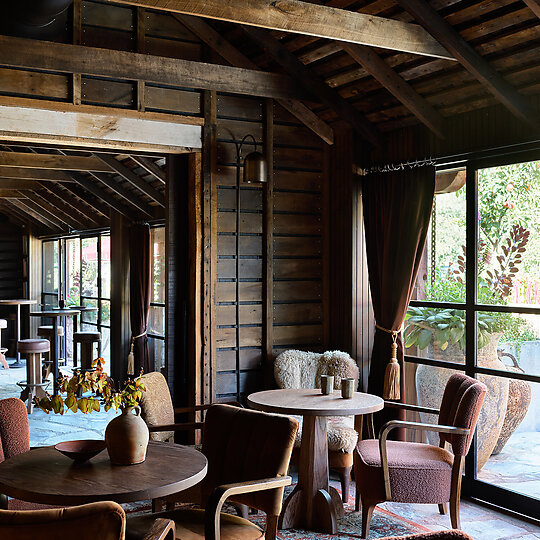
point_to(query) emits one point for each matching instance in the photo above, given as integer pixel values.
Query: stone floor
(516, 466)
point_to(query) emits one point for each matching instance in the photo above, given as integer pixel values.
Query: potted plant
(444, 332)
(126, 435)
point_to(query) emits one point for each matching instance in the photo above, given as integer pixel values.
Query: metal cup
(327, 384)
(347, 388)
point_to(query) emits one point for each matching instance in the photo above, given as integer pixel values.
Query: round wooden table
(44, 475)
(55, 314)
(313, 505)
(18, 302)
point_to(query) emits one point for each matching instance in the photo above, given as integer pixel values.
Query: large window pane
(105, 266)
(156, 349)
(89, 267)
(156, 321)
(50, 266)
(157, 240)
(73, 269)
(509, 234)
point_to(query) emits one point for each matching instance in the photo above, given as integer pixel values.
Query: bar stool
(46, 332)
(87, 340)
(3, 350)
(33, 386)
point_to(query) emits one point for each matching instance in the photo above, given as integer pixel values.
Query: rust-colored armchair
(248, 457)
(416, 472)
(101, 520)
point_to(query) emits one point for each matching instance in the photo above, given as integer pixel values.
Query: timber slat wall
(298, 243)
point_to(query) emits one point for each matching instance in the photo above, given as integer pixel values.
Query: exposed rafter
(133, 179)
(471, 60)
(11, 183)
(534, 5)
(38, 213)
(23, 213)
(52, 211)
(236, 58)
(43, 175)
(148, 165)
(89, 199)
(66, 209)
(397, 86)
(312, 83)
(65, 58)
(309, 19)
(52, 161)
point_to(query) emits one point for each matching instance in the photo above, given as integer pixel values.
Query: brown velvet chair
(95, 521)
(415, 472)
(248, 457)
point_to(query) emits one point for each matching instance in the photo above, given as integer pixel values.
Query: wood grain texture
(43, 475)
(53, 162)
(306, 18)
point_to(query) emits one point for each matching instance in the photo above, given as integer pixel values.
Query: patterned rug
(383, 523)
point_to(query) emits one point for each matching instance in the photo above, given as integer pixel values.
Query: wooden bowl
(81, 451)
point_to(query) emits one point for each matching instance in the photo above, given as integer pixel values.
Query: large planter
(127, 437)
(431, 381)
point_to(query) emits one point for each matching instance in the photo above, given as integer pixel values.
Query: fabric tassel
(131, 360)
(392, 374)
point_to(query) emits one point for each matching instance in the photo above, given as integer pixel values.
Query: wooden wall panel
(297, 310)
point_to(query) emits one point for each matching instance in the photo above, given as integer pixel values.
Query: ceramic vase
(127, 437)
(431, 381)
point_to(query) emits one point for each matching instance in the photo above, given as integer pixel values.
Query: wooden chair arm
(186, 426)
(389, 426)
(161, 529)
(222, 493)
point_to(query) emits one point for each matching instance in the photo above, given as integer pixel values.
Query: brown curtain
(139, 291)
(397, 207)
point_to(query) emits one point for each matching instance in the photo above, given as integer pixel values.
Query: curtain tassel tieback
(392, 373)
(131, 356)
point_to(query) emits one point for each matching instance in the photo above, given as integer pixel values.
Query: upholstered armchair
(101, 520)
(416, 472)
(248, 456)
(300, 369)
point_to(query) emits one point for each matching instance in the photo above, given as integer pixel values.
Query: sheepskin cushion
(301, 369)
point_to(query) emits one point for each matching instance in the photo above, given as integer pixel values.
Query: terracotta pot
(519, 399)
(431, 381)
(127, 437)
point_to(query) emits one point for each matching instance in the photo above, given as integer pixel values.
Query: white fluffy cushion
(301, 369)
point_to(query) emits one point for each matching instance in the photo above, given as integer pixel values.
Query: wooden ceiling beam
(52, 162)
(10, 194)
(397, 86)
(35, 211)
(90, 186)
(126, 194)
(52, 211)
(66, 209)
(13, 216)
(23, 213)
(534, 5)
(312, 83)
(133, 179)
(65, 200)
(148, 165)
(92, 201)
(42, 175)
(471, 60)
(236, 58)
(10, 183)
(308, 19)
(66, 58)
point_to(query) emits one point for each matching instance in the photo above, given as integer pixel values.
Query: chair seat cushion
(419, 473)
(17, 504)
(190, 526)
(342, 437)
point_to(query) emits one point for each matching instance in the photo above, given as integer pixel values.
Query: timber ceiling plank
(126, 194)
(133, 179)
(66, 209)
(236, 58)
(52, 211)
(107, 198)
(52, 161)
(305, 77)
(150, 166)
(13, 216)
(471, 60)
(66, 58)
(43, 175)
(38, 213)
(534, 5)
(24, 214)
(306, 18)
(89, 200)
(70, 203)
(10, 183)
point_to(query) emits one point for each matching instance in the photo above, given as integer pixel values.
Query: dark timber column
(177, 248)
(341, 240)
(120, 325)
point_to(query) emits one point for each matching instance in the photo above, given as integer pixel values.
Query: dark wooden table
(313, 504)
(43, 475)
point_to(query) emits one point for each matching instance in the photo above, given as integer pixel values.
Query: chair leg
(271, 527)
(345, 480)
(357, 499)
(367, 512)
(442, 509)
(455, 492)
(242, 510)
